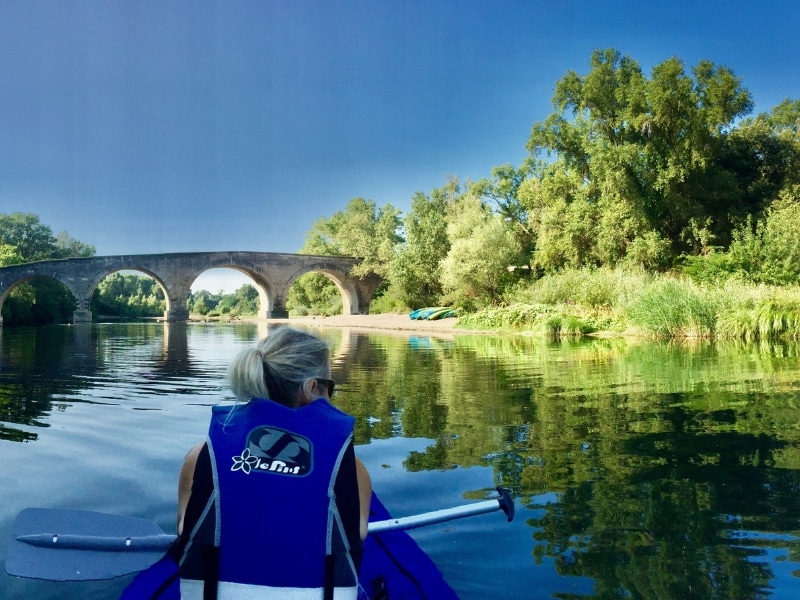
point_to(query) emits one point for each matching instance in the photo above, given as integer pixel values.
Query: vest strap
(210, 572)
(330, 563)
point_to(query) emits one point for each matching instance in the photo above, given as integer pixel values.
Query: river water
(640, 470)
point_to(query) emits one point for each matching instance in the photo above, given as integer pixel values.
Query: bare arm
(364, 495)
(185, 481)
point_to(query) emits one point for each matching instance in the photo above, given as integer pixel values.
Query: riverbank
(387, 322)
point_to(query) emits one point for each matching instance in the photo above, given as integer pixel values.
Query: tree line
(666, 172)
(243, 302)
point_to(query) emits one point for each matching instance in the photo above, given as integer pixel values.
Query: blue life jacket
(283, 518)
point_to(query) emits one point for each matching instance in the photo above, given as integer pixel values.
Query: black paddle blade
(65, 562)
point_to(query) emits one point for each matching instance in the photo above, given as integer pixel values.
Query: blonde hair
(279, 366)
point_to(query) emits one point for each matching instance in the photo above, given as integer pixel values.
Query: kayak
(393, 567)
(425, 313)
(444, 314)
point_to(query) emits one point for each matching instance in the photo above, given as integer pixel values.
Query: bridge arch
(5, 291)
(352, 303)
(101, 276)
(263, 286)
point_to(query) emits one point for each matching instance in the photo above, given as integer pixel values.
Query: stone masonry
(272, 274)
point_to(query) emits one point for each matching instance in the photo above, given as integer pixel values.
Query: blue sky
(169, 126)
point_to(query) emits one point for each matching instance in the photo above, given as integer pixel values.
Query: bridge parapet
(272, 273)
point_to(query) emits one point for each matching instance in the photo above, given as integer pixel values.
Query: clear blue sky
(166, 126)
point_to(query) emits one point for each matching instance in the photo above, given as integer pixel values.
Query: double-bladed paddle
(59, 544)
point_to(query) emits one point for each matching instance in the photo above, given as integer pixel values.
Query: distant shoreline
(385, 322)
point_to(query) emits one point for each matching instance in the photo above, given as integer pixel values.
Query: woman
(274, 501)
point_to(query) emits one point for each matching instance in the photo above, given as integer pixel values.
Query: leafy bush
(568, 326)
(519, 316)
(714, 267)
(769, 251)
(390, 301)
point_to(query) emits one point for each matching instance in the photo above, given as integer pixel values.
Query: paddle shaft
(437, 516)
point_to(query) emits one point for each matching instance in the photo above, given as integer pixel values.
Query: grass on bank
(583, 302)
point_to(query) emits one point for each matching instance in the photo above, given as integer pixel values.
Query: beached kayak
(426, 313)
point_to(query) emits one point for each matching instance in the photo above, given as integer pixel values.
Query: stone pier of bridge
(272, 274)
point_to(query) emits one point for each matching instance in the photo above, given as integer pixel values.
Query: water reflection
(652, 470)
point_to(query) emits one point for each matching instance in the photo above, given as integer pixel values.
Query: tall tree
(482, 248)
(32, 239)
(415, 270)
(642, 146)
(363, 231)
(24, 238)
(68, 247)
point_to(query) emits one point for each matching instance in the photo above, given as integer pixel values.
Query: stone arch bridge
(272, 273)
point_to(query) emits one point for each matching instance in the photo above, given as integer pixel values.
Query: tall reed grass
(674, 308)
(760, 313)
(580, 302)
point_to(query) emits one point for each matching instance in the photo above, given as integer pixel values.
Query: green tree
(24, 238)
(314, 294)
(32, 239)
(363, 231)
(203, 301)
(9, 255)
(247, 299)
(68, 247)
(128, 295)
(415, 270)
(503, 189)
(482, 248)
(639, 147)
(199, 306)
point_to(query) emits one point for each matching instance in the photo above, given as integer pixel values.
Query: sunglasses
(330, 385)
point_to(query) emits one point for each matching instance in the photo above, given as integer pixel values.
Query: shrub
(590, 287)
(714, 267)
(769, 252)
(390, 301)
(519, 316)
(559, 326)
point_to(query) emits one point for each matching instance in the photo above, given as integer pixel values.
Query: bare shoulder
(192, 455)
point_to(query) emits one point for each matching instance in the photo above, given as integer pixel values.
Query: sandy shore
(383, 322)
